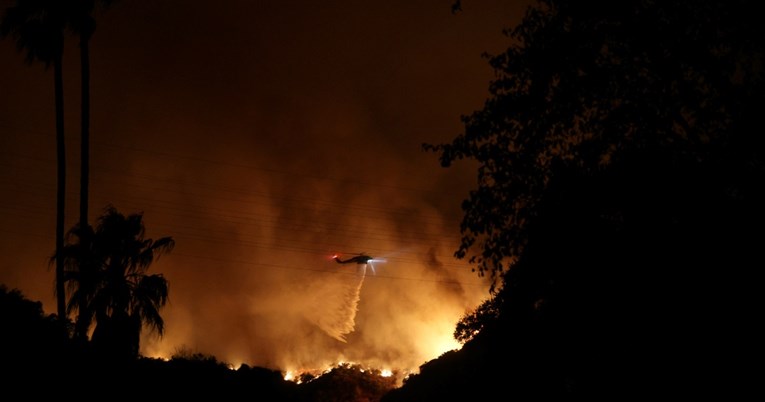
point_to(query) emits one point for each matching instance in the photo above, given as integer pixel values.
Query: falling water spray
(335, 305)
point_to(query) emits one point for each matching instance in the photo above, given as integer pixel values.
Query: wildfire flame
(319, 318)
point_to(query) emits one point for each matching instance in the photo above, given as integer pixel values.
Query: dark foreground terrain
(38, 360)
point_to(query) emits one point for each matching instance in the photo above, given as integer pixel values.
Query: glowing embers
(393, 378)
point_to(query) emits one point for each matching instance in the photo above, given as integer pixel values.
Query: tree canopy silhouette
(29, 338)
(588, 84)
(109, 284)
(618, 203)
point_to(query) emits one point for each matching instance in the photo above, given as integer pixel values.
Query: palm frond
(151, 294)
(37, 26)
(106, 272)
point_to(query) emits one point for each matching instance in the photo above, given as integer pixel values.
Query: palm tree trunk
(85, 124)
(61, 185)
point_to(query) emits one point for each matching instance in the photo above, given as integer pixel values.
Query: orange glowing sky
(263, 137)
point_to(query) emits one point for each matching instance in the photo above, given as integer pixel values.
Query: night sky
(264, 137)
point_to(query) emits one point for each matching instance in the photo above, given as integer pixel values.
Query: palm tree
(84, 25)
(109, 285)
(38, 26)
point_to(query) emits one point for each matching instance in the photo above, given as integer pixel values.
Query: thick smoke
(263, 139)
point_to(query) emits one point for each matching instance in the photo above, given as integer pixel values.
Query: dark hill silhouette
(37, 354)
(347, 383)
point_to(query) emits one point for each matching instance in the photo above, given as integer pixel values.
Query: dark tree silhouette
(620, 178)
(109, 284)
(29, 339)
(588, 84)
(38, 27)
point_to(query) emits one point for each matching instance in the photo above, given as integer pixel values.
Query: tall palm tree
(84, 25)
(38, 26)
(109, 284)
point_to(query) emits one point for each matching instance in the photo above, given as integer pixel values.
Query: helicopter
(360, 259)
